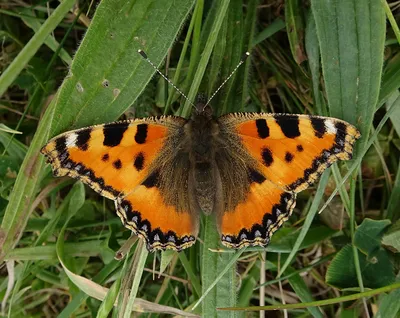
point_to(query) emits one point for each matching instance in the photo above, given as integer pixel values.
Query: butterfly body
(203, 183)
(162, 172)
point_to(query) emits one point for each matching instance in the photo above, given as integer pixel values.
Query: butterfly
(163, 172)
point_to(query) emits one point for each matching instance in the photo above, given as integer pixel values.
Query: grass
(58, 238)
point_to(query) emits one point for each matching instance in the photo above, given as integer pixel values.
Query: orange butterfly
(162, 172)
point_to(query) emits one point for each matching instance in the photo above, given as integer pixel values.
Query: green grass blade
(108, 304)
(299, 271)
(29, 50)
(137, 266)
(217, 58)
(295, 30)
(50, 41)
(310, 217)
(248, 35)
(390, 79)
(277, 25)
(193, 277)
(392, 212)
(303, 292)
(324, 302)
(172, 92)
(313, 55)
(392, 20)
(205, 56)
(228, 99)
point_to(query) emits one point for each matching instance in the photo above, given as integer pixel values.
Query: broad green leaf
(376, 272)
(351, 34)
(107, 73)
(389, 305)
(369, 234)
(391, 239)
(350, 312)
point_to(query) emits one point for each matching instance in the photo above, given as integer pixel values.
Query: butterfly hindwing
(253, 221)
(162, 226)
(118, 160)
(283, 154)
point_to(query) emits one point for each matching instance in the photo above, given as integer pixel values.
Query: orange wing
(254, 221)
(291, 152)
(116, 160)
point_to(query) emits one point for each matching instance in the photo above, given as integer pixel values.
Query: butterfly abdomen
(201, 131)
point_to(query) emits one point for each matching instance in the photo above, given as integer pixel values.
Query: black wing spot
(83, 138)
(141, 133)
(289, 157)
(139, 161)
(61, 144)
(113, 133)
(262, 128)
(266, 155)
(341, 131)
(300, 148)
(117, 164)
(256, 176)
(319, 126)
(289, 125)
(105, 157)
(152, 180)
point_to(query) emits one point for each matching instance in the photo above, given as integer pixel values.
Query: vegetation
(69, 65)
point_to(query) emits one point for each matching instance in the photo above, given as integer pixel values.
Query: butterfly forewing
(117, 160)
(293, 150)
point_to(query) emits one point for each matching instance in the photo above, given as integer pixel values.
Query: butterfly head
(201, 107)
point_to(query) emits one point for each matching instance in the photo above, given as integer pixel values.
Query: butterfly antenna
(242, 60)
(144, 55)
